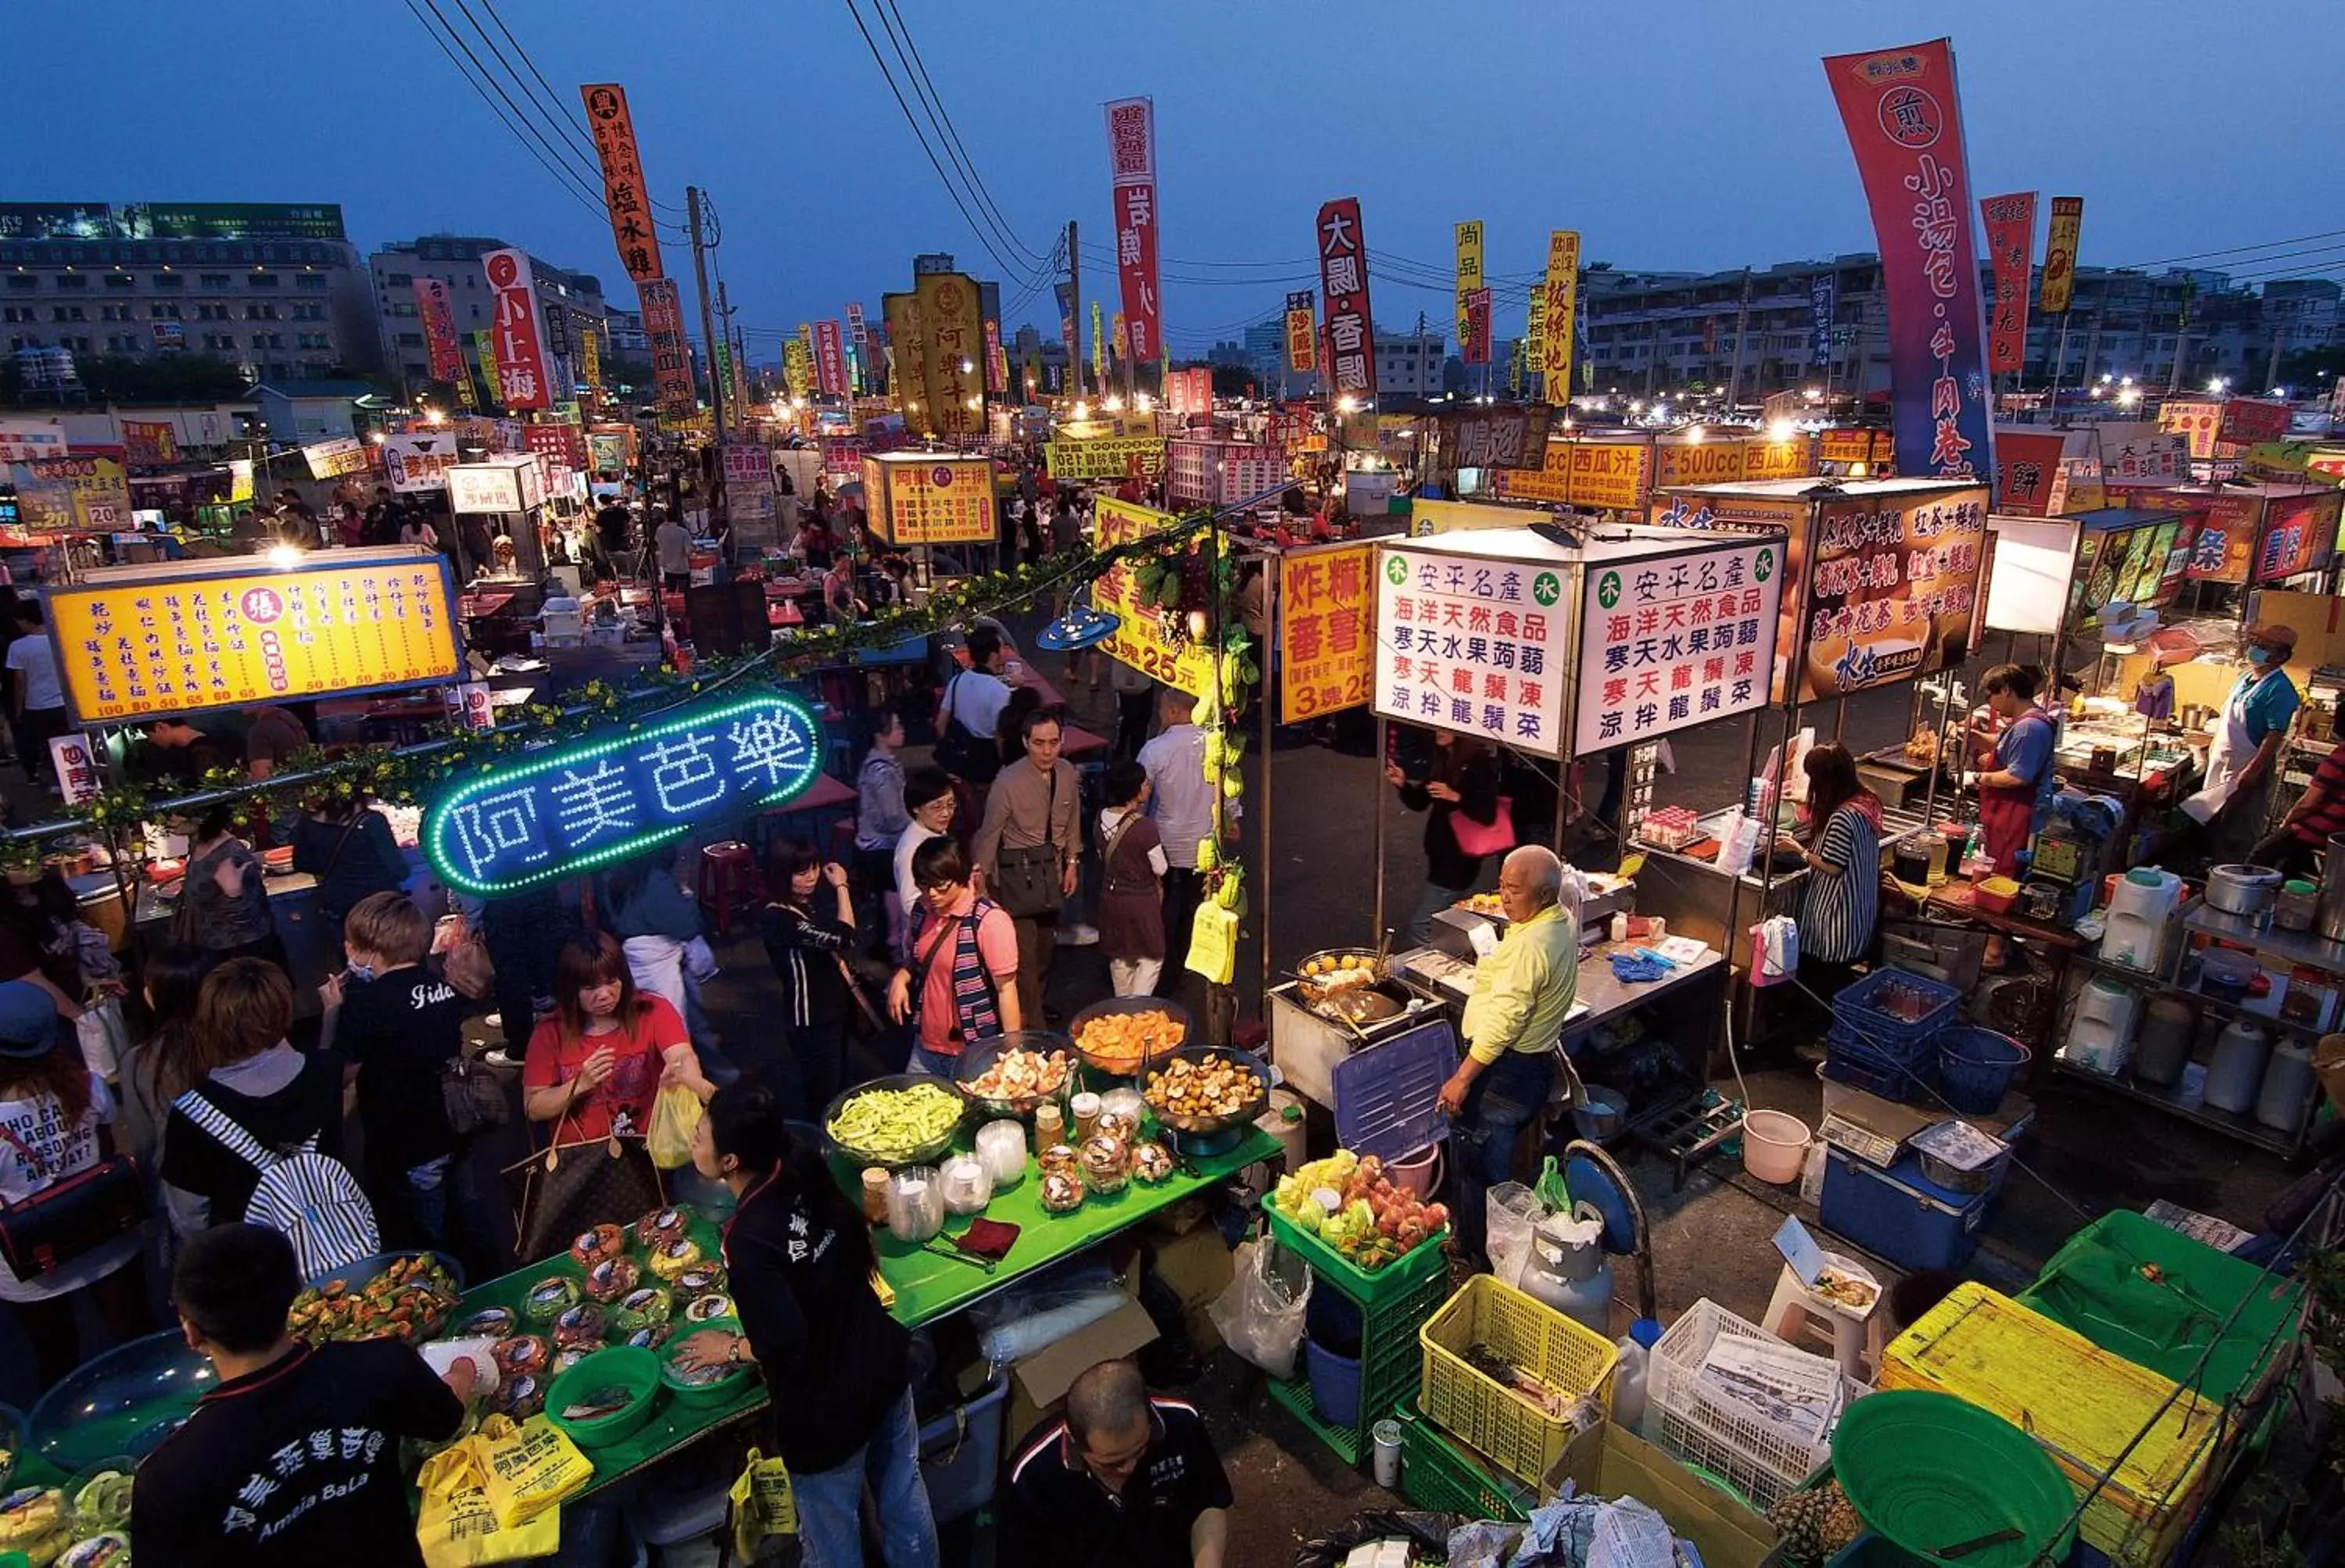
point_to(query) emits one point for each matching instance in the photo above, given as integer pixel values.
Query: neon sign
(583, 806)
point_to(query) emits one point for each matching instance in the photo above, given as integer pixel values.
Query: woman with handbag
(222, 904)
(344, 842)
(961, 983)
(808, 952)
(594, 1070)
(1028, 846)
(54, 1139)
(1465, 820)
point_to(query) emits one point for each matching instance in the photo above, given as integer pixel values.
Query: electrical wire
(568, 113)
(567, 179)
(925, 87)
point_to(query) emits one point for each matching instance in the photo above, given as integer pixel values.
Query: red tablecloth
(824, 793)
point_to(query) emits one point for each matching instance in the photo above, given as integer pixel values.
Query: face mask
(2259, 657)
(358, 971)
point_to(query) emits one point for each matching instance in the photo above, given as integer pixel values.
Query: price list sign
(1473, 645)
(1667, 642)
(931, 498)
(148, 644)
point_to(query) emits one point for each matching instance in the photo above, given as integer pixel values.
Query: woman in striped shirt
(808, 952)
(1841, 902)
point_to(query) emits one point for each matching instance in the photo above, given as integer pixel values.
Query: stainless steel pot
(2248, 891)
(2330, 918)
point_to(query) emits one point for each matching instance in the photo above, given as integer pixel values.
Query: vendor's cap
(28, 1020)
(2272, 632)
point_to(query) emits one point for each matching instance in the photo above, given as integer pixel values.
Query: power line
(925, 87)
(2202, 255)
(568, 116)
(564, 177)
(490, 77)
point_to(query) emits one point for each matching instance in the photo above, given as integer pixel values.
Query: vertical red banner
(624, 193)
(1131, 169)
(438, 317)
(671, 356)
(1475, 350)
(829, 359)
(1903, 120)
(996, 369)
(2011, 251)
(522, 381)
(1344, 280)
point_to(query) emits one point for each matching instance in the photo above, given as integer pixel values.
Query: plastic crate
(1367, 1286)
(1848, 1060)
(1532, 1336)
(1860, 1009)
(1763, 1463)
(1390, 1362)
(1437, 1475)
(960, 1450)
(1388, 1095)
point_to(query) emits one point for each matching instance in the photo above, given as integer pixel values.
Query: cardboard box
(1039, 1382)
(1195, 1264)
(1612, 1462)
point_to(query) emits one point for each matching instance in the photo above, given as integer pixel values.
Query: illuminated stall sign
(1473, 644)
(604, 800)
(1670, 641)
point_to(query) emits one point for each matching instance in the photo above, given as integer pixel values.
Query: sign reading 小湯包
(608, 798)
(142, 642)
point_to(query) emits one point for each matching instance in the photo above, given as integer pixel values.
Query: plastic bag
(765, 1506)
(104, 1037)
(1513, 1210)
(1260, 1314)
(1552, 1192)
(676, 1116)
(457, 1525)
(1213, 945)
(1427, 1535)
(528, 1469)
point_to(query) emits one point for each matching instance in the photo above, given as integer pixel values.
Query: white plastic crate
(1758, 1459)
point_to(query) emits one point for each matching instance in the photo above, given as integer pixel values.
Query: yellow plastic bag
(1213, 944)
(676, 1116)
(765, 1508)
(528, 1469)
(457, 1528)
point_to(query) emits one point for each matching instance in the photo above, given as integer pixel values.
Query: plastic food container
(915, 1204)
(968, 1186)
(1002, 1149)
(700, 1389)
(623, 1373)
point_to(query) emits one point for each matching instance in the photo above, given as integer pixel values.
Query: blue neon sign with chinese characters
(603, 800)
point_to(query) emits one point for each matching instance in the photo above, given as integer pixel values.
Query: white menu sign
(1472, 643)
(1667, 642)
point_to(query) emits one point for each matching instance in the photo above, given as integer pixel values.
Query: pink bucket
(1420, 1173)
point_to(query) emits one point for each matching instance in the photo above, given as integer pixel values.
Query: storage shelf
(2295, 947)
(2230, 1123)
(2213, 1005)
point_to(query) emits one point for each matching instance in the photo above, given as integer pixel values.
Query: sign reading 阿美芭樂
(1669, 641)
(140, 642)
(1475, 644)
(608, 797)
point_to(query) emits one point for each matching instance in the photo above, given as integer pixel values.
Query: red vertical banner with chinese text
(1131, 169)
(521, 344)
(1903, 120)
(633, 229)
(829, 359)
(1476, 346)
(438, 317)
(2060, 253)
(1344, 280)
(997, 374)
(2010, 223)
(671, 358)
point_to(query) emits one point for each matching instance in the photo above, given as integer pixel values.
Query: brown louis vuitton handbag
(564, 1190)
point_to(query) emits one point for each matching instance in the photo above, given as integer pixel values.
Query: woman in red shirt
(595, 1067)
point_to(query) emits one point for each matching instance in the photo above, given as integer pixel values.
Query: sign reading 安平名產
(603, 800)
(1669, 641)
(1473, 645)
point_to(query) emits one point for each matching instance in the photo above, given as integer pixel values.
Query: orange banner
(632, 226)
(1701, 463)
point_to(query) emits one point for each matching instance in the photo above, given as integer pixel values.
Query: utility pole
(1075, 309)
(1742, 325)
(707, 323)
(1423, 386)
(736, 374)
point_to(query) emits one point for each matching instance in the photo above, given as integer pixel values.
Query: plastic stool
(728, 882)
(1856, 1335)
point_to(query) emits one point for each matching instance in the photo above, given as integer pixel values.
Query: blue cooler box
(1899, 1214)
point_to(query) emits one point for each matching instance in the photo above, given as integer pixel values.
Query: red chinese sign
(437, 314)
(1344, 280)
(1132, 167)
(2010, 248)
(2027, 472)
(671, 355)
(150, 443)
(521, 379)
(631, 226)
(1302, 334)
(997, 369)
(829, 359)
(561, 443)
(1475, 350)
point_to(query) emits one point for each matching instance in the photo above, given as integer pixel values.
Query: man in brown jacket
(1028, 846)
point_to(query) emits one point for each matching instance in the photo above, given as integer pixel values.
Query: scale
(1872, 1129)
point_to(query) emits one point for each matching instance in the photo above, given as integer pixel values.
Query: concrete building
(571, 304)
(624, 332)
(296, 412)
(275, 289)
(1408, 365)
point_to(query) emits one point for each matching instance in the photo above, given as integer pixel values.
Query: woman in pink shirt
(961, 984)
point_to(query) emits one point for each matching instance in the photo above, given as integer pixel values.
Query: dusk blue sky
(1684, 133)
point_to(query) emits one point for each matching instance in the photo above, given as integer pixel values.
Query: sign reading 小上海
(523, 379)
(1326, 643)
(1108, 457)
(1669, 641)
(1472, 643)
(1142, 638)
(931, 498)
(420, 460)
(135, 642)
(606, 798)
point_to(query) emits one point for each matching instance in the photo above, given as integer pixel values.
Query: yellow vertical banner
(590, 355)
(953, 321)
(1560, 293)
(2060, 254)
(1470, 275)
(908, 374)
(1099, 346)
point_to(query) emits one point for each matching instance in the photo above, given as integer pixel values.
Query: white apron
(2232, 750)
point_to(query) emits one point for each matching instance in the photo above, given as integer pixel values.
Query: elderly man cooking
(1521, 993)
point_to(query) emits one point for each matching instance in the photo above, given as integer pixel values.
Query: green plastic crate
(1447, 1478)
(1364, 1286)
(1392, 1363)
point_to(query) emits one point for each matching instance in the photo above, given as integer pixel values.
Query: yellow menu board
(1326, 641)
(931, 498)
(145, 643)
(1141, 638)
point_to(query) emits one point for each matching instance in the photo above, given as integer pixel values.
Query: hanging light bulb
(1199, 623)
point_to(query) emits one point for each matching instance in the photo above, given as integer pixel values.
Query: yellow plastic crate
(2080, 1403)
(1531, 1335)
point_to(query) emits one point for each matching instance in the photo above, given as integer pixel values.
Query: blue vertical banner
(1824, 305)
(1903, 120)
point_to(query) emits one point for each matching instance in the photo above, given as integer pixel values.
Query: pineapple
(1815, 1524)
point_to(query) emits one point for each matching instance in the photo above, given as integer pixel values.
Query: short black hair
(1050, 713)
(789, 857)
(744, 1121)
(925, 787)
(2022, 681)
(939, 863)
(1124, 782)
(28, 613)
(236, 1283)
(983, 644)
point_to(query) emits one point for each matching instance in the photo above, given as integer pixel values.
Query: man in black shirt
(1125, 1480)
(293, 1457)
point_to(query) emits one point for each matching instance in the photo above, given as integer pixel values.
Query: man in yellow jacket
(1522, 992)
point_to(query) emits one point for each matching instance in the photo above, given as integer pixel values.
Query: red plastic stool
(728, 882)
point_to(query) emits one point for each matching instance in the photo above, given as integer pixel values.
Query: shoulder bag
(472, 1096)
(71, 1217)
(1027, 883)
(960, 750)
(565, 1189)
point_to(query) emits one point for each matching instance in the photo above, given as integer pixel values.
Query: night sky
(1693, 135)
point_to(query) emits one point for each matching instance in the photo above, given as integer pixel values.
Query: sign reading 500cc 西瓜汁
(605, 797)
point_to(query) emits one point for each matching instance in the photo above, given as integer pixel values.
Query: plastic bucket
(1417, 1172)
(1335, 1385)
(1774, 1145)
(1601, 1116)
(1975, 1067)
